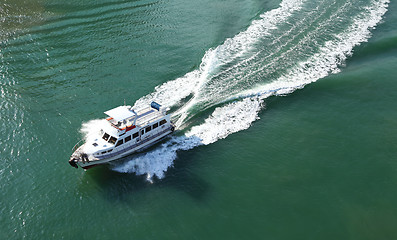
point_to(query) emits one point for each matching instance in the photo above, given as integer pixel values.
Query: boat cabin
(126, 131)
(129, 126)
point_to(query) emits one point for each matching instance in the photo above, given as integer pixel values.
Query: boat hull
(117, 154)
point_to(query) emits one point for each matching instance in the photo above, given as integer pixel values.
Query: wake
(286, 49)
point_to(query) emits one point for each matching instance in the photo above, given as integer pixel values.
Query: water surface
(286, 111)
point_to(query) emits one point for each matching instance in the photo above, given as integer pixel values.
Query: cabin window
(106, 136)
(110, 150)
(128, 138)
(112, 140)
(155, 125)
(135, 135)
(148, 129)
(142, 132)
(119, 142)
(103, 152)
(162, 122)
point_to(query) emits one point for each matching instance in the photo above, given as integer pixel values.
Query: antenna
(124, 101)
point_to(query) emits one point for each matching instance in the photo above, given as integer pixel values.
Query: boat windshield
(112, 140)
(105, 137)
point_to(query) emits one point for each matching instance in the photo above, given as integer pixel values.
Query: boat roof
(120, 113)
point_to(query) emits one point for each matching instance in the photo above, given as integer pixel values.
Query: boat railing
(79, 144)
(146, 119)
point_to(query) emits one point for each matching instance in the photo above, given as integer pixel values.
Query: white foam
(91, 129)
(332, 55)
(239, 115)
(170, 93)
(174, 91)
(224, 121)
(156, 162)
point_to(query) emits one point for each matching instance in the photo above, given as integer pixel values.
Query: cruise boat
(127, 131)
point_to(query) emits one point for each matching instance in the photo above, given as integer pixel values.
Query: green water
(319, 161)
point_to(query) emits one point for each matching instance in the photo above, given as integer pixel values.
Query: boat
(126, 131)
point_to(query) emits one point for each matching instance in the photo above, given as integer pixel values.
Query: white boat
(127, 131)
